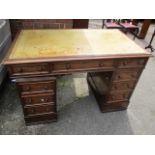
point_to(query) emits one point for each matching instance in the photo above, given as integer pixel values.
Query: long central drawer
(82, 65)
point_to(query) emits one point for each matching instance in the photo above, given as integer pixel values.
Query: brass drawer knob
(112, 97)
(41, 68)
(46, 99)
(47, 109)
(32, 110)
(119, 77)
(124, 96)
(42, 99)
(101, 64)
(29, 100)
(124, 63)
(128, 86)
(68, 66)
(140, 62)
(133, 75)
(27, 88)
(20, 70)
(106, 78)
(45, 87)
(115, 87)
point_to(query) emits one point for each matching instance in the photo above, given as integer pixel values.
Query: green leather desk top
(63, 43)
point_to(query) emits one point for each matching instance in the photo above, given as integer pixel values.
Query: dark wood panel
(37, 119)
(38, 98)
(115, 106)
(82, 65)
(132, 63)
(29, 69)
(39, 109)
(126, 74)
(119, 86)
(118, 96)
(36, 87)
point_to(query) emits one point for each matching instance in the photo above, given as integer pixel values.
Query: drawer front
(33, 110)
(125, 63)
(127, 75)
(29, 69)
(82, 65)
(121, 96)
(29, 87)
(41, 118)
(38, 99)
(117, 86)
(92, 64)
(115, 106)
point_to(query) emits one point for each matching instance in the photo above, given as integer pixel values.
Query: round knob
(112, 98)
(41, 68)
(128, 86)
(101, 64)
(107, 78)
(29, 100)
(124, 95)
(47, 109)
(132, 75)
(68, 66)
(27, 88)
(42, 100)
(32, 110)
(124, 63)
(119, 76)
(20, 70)
(45, 87)
(115, 87)
(140, 62)
(46, 99)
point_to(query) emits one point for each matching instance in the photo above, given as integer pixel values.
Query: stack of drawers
(123, 83)
(120, 84)
(38, 98)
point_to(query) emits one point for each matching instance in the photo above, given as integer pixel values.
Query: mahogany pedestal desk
(113, 63)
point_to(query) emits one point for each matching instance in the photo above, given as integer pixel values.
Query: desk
(113, 63)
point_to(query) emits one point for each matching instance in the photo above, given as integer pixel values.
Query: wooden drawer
(121, 96)
(29, 69)
(82, 65)
(38, 98)
(36, 87)
(49, 117)
(45, 108)
(114, 106)
(118, 86)
(127, 63)
(129, 74)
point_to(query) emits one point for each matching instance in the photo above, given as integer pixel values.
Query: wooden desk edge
(73, 58)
